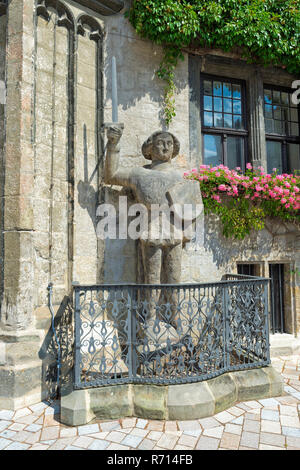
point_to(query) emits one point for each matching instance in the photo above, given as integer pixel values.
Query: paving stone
(168, 441)
(171, 426)
(292, 432)
(115, 436)
(293, 442)
(207, 443)
(33, 438)
(61, 444)
(209, 423)
(50, 433)
(139, 432)
(155, 425)
(21, 436)
(188, 441)
(181, 447)
(73, 448)
(230, 441)
(39, 407)
(128, 422)
(33, 427)
(270, 415)
(195, 433)
(288, 410)
(27, 419)
(110, 425)
(88, 429)
(22, 412)
(131, 441)
(224, 417)
(233, 429)
(269, 403)
(236, 411)
(51, 420)
(39, 447)
(17, 446)
(146, 444)
(238, 420)
(4, 443)
(290, 421)
(189, 425)
(252, 426)
(268, 447)
(68, 432)
(272, 439)
(99, 445)
(154, 435)
(6, 415)
(83, 441)
(214, 432)
(141, 423)
(5, 424)
(117, 447)
(253, 404)
(250, 439)
(127, 430)
(99, 435)
(270, 426)
(8, 434)
(254, 415)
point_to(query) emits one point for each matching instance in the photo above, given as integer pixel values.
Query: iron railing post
(266, 314)
(129, 339)
(77, 359)
(227, 326)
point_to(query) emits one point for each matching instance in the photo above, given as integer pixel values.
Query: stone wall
(3, 21)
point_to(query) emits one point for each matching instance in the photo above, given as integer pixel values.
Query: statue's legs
(172, 258)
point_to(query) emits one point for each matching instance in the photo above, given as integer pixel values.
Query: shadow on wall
(49, 352)
(87, 195)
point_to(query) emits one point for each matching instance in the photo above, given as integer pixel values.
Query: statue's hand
(114, 134)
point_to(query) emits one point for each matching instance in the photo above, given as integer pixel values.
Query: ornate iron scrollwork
(169, 334)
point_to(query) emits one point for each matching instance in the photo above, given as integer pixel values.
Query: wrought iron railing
(169, 334)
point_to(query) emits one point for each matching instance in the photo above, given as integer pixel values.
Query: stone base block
(23, 372)
(170, 402)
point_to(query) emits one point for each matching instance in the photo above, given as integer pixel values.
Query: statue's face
(162, 148)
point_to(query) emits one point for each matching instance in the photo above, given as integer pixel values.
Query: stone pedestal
(170, 402)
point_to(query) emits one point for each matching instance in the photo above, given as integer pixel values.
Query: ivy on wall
(266, 32)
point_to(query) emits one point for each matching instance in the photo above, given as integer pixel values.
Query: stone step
(284, 345)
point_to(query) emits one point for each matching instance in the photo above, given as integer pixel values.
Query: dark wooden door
(277, 297)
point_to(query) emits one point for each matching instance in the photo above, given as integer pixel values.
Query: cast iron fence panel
(169, 334)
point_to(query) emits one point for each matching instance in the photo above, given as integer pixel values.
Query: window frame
(225, 132)
(284, 139)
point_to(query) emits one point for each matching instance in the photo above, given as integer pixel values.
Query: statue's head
(161, 146)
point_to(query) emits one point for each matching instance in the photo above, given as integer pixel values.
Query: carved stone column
(257, 139)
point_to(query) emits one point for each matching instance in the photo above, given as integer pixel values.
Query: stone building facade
(55, 96)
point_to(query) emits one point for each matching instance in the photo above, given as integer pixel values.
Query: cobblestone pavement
(269, 424)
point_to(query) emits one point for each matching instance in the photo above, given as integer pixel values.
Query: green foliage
(265, 31)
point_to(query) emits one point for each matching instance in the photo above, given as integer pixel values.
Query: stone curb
(170, 402)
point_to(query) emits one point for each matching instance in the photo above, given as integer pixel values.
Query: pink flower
(249, 166)
(222, 187)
